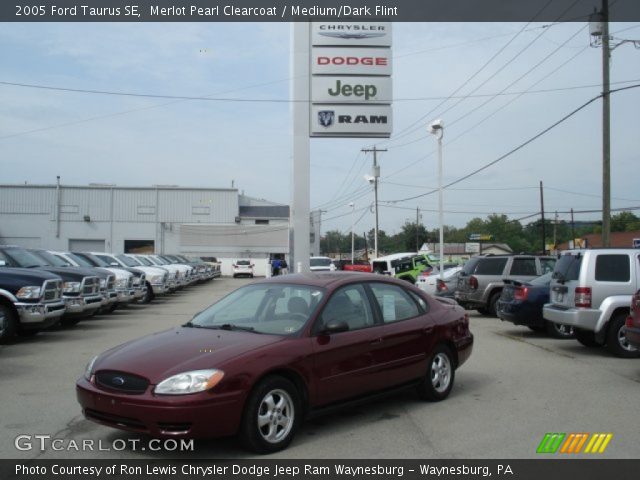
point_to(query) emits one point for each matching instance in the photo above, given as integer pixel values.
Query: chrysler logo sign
(348, 34)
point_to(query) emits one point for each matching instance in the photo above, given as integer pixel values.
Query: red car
(268, 354)
(632, 325)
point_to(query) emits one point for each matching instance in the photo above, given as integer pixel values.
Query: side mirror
(335, 326)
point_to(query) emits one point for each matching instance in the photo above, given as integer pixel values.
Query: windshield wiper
(231, 326)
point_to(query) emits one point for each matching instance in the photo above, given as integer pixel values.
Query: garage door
(81, 245)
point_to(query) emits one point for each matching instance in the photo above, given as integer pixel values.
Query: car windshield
(320, 262)
(83, 262)
(276, 309)
(145, 261)
(24, 258)
(128, 261)
(97, 262)
(52, 259)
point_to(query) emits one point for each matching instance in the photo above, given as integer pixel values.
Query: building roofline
(118, 187)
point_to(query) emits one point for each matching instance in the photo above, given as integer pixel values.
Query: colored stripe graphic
(598, 443)
(574, 443)
(551, 442)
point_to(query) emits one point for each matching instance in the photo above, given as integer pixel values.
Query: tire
(441, 373)
(493, 302)
(616, 339)
(111, 308)
(586, 338)
(8, 323)
(148, 295)
(556, 330)
(274, 403)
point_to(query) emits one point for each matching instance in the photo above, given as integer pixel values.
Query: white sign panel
(351, 61)
(368, 34)
(351, 120)
(351, 89)
(472, 247)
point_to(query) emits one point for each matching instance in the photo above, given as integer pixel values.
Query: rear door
(565, 279)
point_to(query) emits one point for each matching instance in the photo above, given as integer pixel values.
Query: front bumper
(39, 315)
(194, 416)
(77, 305)
(159, 288)
(583, 318)
(124, 296)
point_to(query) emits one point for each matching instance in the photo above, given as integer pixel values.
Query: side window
(613, 268)
(523, 266)
(395, 303)
(491, 266)
(420, 301)
(547, 265)
(350, 305)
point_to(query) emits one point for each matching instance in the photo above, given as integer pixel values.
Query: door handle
(377, 340)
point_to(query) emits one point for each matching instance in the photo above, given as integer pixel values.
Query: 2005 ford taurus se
(270, 353)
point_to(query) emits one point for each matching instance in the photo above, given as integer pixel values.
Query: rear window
(613, 268)
(567, 267)
(470, 266)
(243, 262)
(491, 266)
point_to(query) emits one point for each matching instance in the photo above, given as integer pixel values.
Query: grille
(51, 290)
(111, 282)
(90, 286)
(130, 283)
(121, 382)
(115, 420)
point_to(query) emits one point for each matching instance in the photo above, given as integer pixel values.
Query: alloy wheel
(276, 416)
(440, 372)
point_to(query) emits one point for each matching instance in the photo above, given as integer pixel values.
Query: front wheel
(438, 383)
(148, 295)
(493, 304)
(271, 415)
(617, 340)
(8, 324)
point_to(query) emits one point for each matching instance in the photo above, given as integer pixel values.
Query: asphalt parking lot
(517, 386)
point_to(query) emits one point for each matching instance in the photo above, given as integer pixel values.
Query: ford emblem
(117, 381)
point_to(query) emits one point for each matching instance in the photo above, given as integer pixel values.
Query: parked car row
(40, 288)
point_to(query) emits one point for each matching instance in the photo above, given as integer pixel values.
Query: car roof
(324, 279)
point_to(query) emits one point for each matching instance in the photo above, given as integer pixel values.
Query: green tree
(625, 222)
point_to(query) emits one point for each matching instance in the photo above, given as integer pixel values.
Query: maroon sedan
(265, 356)
(632, 326)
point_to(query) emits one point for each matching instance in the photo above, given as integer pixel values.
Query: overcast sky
(128, 140)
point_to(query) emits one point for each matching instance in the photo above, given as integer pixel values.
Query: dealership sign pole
(341, 87)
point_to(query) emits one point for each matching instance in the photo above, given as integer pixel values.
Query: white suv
(243, 267)
(591, 290)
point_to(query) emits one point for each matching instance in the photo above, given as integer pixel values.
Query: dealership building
(204, 222)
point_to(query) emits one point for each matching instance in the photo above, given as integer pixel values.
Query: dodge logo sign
(325, 117)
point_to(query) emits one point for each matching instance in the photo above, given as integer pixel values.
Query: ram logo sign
(572, 443)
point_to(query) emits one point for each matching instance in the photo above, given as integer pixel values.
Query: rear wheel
(493, 304)
(438, 382)
(617, 340)
(8, 323)
(586, 338)
(556, 330)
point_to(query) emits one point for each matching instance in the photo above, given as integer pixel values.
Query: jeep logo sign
(351, 89)
(347, 120)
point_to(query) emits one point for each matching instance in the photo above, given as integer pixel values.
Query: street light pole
(376, 175)
(353, 209)
(437, 128)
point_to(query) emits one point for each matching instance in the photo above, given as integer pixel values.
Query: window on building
(260, 221)
(139, 246)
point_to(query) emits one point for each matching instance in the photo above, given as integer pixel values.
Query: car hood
(35, 276)
(67, 273)
(180, 349)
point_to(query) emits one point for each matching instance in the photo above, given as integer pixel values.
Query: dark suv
(482, 278)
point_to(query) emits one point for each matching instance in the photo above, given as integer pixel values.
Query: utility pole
(417, 221)
(555, 226)
(544, 246)
(376, 175)
(573, 233)
(606, 129)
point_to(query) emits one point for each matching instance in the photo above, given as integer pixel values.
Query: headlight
(155, 278)
(71, 287)
(189, 382)
(89, 368)
(26, 293)
(122, 282)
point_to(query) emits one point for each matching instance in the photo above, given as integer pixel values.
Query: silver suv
(591, 290)
(482, 278)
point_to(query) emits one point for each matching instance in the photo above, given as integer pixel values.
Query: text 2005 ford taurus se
(268, 354)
